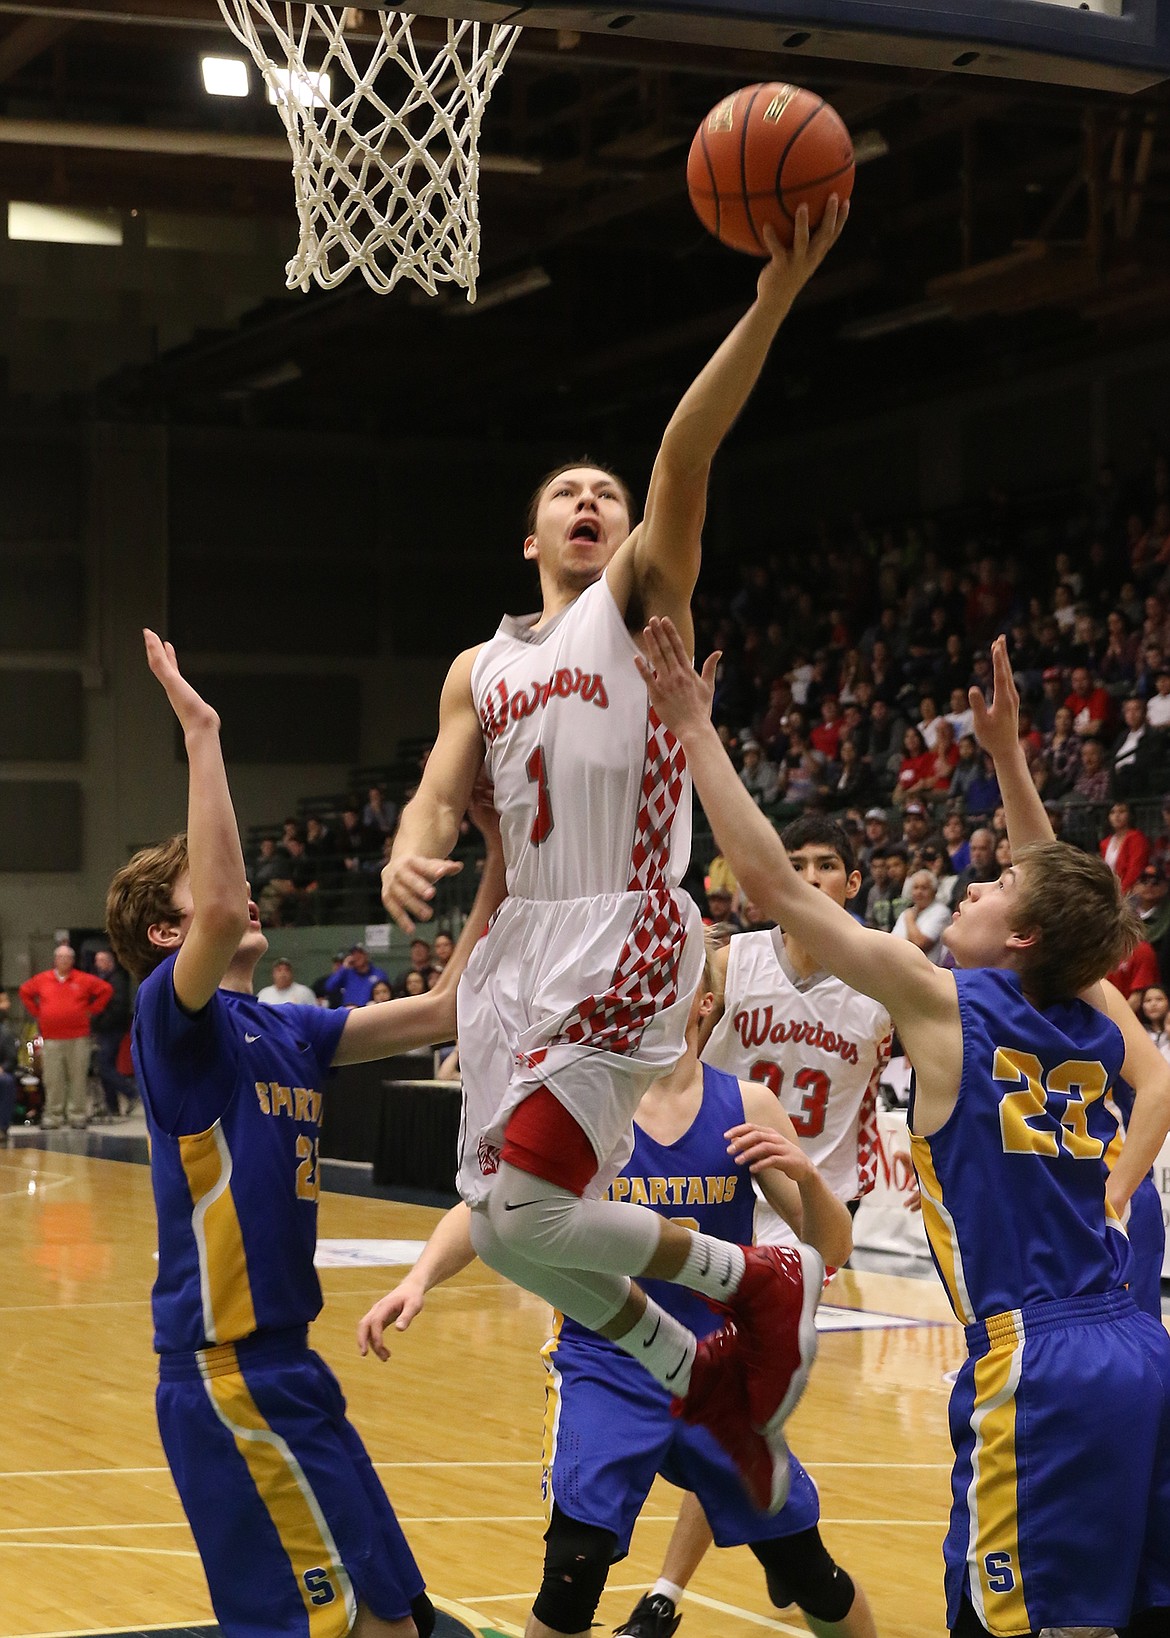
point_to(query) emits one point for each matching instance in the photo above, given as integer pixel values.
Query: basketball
(760, 154)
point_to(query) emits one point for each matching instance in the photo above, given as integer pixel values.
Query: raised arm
(219, 887)
(997, 728)
(387, 1027)
(655, 571)
(768, 1145)
(446, 1253)
(891, 970)
(429, 827)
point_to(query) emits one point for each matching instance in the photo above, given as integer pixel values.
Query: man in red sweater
(63, 1001)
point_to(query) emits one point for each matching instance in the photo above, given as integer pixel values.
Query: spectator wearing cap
(1151, 900)
(982, 867)
(354, 980)
(284, 990)
(1089, 704)
(876, 834)
(1125, 850)
(319, 985)
(1158, 704)
(915, 825)
(760, 778)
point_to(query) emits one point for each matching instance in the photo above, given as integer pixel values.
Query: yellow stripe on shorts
(940, 1229)
(995, 1576)
(552, 1413)
(224, 1287)
(285, 1491)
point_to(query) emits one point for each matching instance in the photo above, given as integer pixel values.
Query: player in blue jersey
(296, 1534)
(609, 1427)
(1060, 1417)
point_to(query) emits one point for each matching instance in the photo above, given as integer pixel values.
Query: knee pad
(423, 1615)
(577, 1558)
(800, 1570)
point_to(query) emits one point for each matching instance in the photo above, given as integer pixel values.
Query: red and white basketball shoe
(775, 1309)
(717, 1400)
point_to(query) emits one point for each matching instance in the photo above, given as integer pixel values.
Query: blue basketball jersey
(232, 1096)
(694, 1181)
(1013, 1184)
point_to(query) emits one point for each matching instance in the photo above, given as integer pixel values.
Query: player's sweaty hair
(573, 466)
(814, 828)
(141, 895)
(1073, 901)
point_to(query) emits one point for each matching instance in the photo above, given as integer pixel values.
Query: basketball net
(385, 141)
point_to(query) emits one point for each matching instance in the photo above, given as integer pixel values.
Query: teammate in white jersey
(578, 997)
(820, 1047)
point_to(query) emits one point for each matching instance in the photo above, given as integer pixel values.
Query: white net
(384, 136)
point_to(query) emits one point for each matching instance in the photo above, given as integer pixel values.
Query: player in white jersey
(820, 1047)
(578, 997)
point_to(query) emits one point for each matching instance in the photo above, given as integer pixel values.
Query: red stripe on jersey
(662, 784)
(867, 1138)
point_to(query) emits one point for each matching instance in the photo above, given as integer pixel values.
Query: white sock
(663, 1345)
(713, 1267)
(663, 1588)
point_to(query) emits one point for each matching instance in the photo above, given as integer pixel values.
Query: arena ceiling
(995, 222)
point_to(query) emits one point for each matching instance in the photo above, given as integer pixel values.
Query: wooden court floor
(92, 1537)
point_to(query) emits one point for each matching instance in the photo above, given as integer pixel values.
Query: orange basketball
(761, 153)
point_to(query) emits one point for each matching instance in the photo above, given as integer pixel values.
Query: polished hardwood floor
(92, 1537)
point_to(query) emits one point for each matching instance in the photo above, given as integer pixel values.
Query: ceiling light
(64, 224)
(224, 76)
(305, 86)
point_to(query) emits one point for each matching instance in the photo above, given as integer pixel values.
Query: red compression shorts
(543, 1139)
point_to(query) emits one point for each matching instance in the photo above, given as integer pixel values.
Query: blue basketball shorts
(290, 1519)
(1060, 1422)
(1147, 1239)
(608, 1433)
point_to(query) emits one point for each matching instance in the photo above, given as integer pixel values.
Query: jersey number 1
(809, 1116)
(543, 823)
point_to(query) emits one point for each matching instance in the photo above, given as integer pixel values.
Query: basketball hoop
(384, 136)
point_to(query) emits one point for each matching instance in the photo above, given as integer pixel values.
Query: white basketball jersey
(819, 1045)
(592, 791)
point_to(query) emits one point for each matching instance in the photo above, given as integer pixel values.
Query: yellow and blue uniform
(291, 1522)
(1144, 1223)
(1059, 1418)
(608, 1427)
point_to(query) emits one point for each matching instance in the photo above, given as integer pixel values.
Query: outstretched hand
(789, 270)
(762, 1149)
(408, 885)
(997, 726)
(191, 709)
(679, 694)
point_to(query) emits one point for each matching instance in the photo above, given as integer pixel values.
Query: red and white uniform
(585, 978)
(820, 1046)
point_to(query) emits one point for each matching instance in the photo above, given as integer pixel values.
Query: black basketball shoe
(651, 1617)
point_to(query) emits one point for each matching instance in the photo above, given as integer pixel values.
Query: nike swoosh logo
(518, 1205)
(649, 1342)
(250, 1038)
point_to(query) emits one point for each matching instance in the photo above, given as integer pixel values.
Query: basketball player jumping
(1060, 1417)
(578, 998)
(608, 1427)
(293, 1527)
